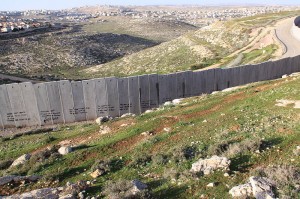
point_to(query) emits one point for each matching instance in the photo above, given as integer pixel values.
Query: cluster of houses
(7, 27)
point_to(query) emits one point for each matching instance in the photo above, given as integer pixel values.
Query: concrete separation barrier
(27, 104)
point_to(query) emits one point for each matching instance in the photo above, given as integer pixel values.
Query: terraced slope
(159, 148)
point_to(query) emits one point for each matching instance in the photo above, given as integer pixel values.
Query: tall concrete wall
(28, 104)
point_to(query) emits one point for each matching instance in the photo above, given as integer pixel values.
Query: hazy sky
(60, 4)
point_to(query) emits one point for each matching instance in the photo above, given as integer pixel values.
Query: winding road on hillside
(289, 35)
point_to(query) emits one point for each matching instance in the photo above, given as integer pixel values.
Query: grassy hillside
(159, 148)
(195, 50)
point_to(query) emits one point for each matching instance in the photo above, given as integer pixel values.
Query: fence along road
(28, 104)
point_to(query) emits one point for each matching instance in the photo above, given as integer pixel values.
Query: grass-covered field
(159, 148)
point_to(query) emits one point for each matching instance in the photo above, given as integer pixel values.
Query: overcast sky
(61, 4)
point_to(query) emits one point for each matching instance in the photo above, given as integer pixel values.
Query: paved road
(287, 33)
(17, 79)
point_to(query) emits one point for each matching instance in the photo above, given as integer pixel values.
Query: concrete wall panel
(112, 96)
(198, 86)
(6, 110)
(43, 103)
(180, 84)
(79, 105)
(55, 102)
(134, 101)
(153, 89)
(101, 98)
(144, 92)
(172, 86)
(123, 96)
(188, 75)
(1, 123)
(210, 80)
(17, 105)
(163, 89)
(89, 94)
(30, 103)
(67, 101)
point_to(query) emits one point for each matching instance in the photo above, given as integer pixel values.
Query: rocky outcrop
(207, 166)
(241, 190)
(70, 191)
(17, 179)
(259, 187)
(262, 188)
(138, 186)
(21, 160)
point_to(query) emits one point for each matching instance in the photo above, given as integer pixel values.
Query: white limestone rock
(244, 190)
(65, 150)
(262, 188)
(177, 101)
(207, 166)
(21, 160)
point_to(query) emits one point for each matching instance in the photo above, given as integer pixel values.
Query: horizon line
(157, 5)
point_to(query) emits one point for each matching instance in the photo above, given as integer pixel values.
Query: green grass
(248, 113)
(259, 55)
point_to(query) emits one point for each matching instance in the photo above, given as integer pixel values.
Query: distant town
(15, 21)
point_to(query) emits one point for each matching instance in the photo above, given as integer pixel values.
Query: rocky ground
(65, 49)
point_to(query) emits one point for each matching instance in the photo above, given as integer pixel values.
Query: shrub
(218, 149)
(141, 160)
(5, 164)
(160, 159)
(101, 165)
(286, 178)
(184, 153)
(171, 173)
(231, 149)
(248, 145)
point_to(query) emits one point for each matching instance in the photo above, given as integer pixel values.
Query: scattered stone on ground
(212, 184)
(101, 120)
(297, 151)
(21, 160)
(97, 173)
(258, 187)
(104, 130)
(215, 92)
(16, 179)
(128, 115)
(177, 101)
(285, 103)
(168, 103)
(149, 111)
(284, 76)
(147, 133)
(137, 187)
(167, 129)
(207, 166)
(244, 190)
(64, 150)
(67, 192)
